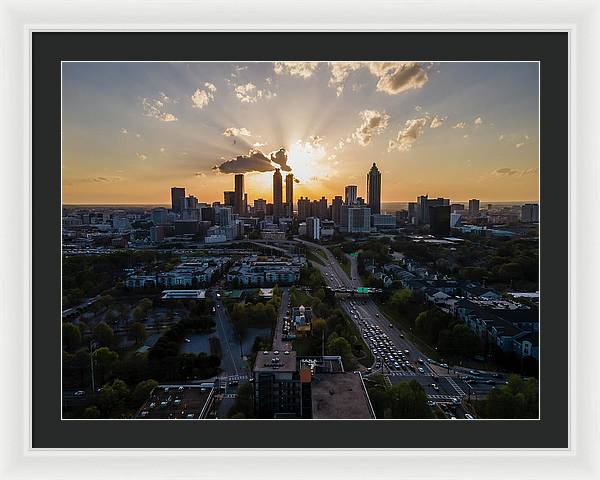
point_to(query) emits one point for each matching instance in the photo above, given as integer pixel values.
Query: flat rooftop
(275, 361)
(177, 294)
(177, 402)
(339, 396)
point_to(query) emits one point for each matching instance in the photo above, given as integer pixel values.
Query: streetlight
(93, 346)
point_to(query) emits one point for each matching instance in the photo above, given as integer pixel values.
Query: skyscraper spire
(374, 189)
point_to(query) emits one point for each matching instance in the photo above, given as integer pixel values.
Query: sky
(133, 130)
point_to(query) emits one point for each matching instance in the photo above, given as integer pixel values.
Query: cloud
(137, 135)
(509, 172)
(101, 179)
(501, 137)
(249, 93)
(520, 139)
(141, 156)
(478, 121)
(437, 122)
(154, 108)
(124, 131)
(237, 132)
(200, 174)
(460, 125)
(316, 140)
(162, 149)
(255, 161)
(398, 77)
(201, 98)
(465, 136)
(418, 108)
(258, 145)
(297, 69)
(374, 123)
(340, 72)
(406, 137)
(529, 171)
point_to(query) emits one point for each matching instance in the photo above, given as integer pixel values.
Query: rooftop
(189, 402)
(281, 361)
(340, 396)
(177, 294)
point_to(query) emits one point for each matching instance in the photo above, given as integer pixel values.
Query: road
(402, 360)
(231, 361)
(278, 342)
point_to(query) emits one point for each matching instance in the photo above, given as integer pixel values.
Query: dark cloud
(296, 180)
(280, 158)
(255, 161)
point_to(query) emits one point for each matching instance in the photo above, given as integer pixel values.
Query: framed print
(314, 245)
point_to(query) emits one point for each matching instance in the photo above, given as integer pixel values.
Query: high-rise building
(374, 189)
(423, 204)
(336, 209)
(303, 209)
(190, 202)
(223, 215)
(439, 220)
(289, 194)
(159, 216)
(473, 207)
(177, 196)
(313, 228)
(277, 195)
(322, 212)
(350, 192)
(457, 207)
(412, 212)
(260, 206)
(229, 198)
(238, 199)
(355, 219)
(530, 213)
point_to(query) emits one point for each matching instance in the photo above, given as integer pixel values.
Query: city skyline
(455, 130)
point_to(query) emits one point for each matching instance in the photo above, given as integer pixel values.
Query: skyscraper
(351, 192)
(530, 213)
(289, 194)
(238, 199)
(177, 196)
(229, 198)
(303, 208)
(322, 212)
(374, 189)
(336, 209)
(439, 220)
(277, 195)
(473, 207)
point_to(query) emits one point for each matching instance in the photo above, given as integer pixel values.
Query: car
(490, 382)
(431, 403)
(455, 401)
(377, 315)
(420, 360)
(187, 340)
(473, 372)
(369, 369)
(421, 370)
(497, 375)
(79, 393)
(406, 352)
(444, 365)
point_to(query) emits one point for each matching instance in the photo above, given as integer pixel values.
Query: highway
(278, 342)
(402, 360)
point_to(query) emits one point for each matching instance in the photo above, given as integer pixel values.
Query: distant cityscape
(299, 308)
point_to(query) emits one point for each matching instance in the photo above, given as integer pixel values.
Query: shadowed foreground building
(287, 386)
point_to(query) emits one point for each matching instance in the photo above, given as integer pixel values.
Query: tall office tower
(229, 198)
(439, 220)
(260, 207)
(314, 208)
(473, 207)
(313, 228)
(190, 202)
(223, 216)
(289, 194)
(412, 212)
(530, 213)
(351, 191)
(374, 190)
(238, 199)
(323, 213)
(177, 196)
(422, 209)
(277, 196)
(303, 209)
(336, 209)
(245, 206)
(159, 216)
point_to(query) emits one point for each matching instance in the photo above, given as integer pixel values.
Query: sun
(307, 161)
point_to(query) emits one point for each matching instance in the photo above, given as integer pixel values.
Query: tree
(145, 304)
(244, 402)
(142, 391)
(400, 299)
(337, 345)
(104, 359)
(91, 412)
(71, 336)
(138, 314)
(104, 334)
(137, 332)
(319, 325)
(474, 273)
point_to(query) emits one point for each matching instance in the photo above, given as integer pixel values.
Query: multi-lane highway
(395, 355)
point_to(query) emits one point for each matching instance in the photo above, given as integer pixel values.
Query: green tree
(137, 332)
(400, 299)
(91, 412)
(138, 314)
(71, 336)
(142, 391)
(104, 334)
(318, 325)
(337, 345)
(104, 359)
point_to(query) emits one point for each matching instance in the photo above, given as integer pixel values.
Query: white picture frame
(17, 22)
